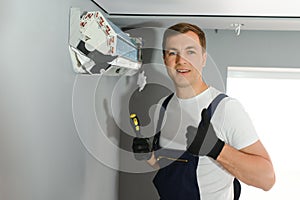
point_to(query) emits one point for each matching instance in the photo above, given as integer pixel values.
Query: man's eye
(191, 52)
(172, 53)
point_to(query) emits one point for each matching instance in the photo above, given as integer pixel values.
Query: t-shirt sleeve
(238, 129)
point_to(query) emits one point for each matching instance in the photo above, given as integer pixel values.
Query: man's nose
(180, 59)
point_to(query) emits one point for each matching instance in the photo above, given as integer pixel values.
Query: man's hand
(204, 141)
(142, 148)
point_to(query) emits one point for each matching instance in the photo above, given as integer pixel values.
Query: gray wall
(250, 48)
(253, 48)
(41, 155)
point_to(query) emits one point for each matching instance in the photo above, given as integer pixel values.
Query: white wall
(41, 155)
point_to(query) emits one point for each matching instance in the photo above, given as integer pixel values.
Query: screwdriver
(135, 123)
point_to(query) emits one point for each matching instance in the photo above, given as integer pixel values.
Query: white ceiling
(211, 14)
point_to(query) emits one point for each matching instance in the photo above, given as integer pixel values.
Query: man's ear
(163, 57)
(204, 57)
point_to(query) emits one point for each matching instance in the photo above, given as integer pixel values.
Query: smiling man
(217, 140)
(185, 57)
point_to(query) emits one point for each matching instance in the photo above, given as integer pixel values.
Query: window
(271, 97)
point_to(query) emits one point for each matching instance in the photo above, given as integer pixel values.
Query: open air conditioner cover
(97, 46)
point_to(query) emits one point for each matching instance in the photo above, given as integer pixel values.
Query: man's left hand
(203, 140)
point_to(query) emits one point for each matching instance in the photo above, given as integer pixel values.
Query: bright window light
(272, 99)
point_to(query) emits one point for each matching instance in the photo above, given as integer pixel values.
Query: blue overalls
(177, 177)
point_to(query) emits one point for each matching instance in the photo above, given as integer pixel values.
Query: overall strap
(214, 104)
(211, 109)
(160, 120)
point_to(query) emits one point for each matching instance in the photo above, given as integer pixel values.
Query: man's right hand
(142, 148)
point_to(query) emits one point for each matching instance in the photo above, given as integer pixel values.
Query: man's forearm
(255, 170)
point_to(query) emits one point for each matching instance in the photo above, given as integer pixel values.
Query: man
(236, 151)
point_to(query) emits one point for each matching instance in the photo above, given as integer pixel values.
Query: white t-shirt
(232, 125)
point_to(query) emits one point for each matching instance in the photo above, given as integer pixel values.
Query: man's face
(184, 59)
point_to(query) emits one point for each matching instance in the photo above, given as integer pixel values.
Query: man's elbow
(269, 182)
